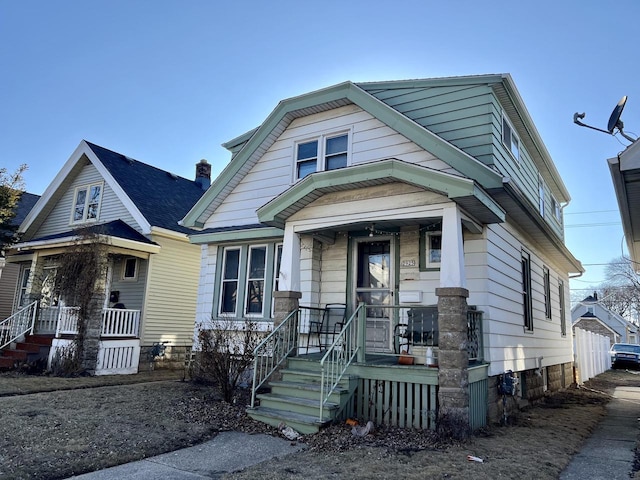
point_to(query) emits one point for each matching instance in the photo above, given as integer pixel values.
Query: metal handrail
(273, 350)
(338, 357)
(18, 324)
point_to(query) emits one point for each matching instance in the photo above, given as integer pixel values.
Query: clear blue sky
(167, 82)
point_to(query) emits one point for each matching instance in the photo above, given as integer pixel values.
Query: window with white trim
(86, 203)
(510, 139)
(328, 152)
(130, 269)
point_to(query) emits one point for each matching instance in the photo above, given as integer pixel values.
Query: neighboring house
(9, 273)
(625, 172)
(591, 315)
(149, 294)
(402, 195)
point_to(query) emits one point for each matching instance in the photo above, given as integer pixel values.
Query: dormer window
(324, 153)
(510, 139)
(86, 203)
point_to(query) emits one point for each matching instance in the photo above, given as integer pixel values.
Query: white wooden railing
(67, 321)
(18, 324)
(47, 321)
(118, 322)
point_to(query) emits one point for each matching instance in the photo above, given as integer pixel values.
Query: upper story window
(557, 211)
(541, 196)
(510, 139)
(86, 203)
(324, 153)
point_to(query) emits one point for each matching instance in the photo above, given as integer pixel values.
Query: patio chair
(421, 328)
(329, 326)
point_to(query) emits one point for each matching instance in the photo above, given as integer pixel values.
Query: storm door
(374, 286)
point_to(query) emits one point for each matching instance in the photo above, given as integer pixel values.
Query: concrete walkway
(609, 452)
(227, 452)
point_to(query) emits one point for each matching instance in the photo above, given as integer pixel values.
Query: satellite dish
(614, 119)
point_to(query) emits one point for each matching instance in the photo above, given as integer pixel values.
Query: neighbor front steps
(34, 348)
(295, 400)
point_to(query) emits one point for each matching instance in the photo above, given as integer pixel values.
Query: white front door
(373, 280)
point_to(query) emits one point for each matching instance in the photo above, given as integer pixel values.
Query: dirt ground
(52, 428)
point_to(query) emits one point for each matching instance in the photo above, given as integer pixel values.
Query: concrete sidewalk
(609, 452)
(227, 452)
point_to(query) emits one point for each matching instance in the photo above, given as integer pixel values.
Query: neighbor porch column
(453, 359)
(287, 298)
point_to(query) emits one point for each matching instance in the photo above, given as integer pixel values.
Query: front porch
(119, 336)
(356, 377)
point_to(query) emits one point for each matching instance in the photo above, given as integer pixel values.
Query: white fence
(592, 354)
(120, 322)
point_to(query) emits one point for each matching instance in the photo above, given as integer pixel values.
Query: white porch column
(452, 273)
(290, 264)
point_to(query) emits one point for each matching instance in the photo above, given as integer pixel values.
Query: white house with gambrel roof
(397, 200)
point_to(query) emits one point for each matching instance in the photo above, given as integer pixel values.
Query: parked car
(625, 354)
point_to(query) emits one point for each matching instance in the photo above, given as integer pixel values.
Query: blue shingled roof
(25, 204)
(162, 198)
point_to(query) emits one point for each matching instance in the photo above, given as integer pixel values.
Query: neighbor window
(130, 269)
(247, 274)
(563, 317)
(510, 139)
(546, 277)
(526, 292)
(86, 203)
(555, 207)
(541, 196)
(324, 153)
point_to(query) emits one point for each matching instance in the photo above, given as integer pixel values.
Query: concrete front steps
(295, 399)
(32, 351)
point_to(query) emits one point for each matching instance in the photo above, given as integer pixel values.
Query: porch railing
(117, 322)
(273, 350)
(18, 324)
(340, 355)
(47, 320)
(67, 321)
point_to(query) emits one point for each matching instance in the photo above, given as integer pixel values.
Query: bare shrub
(65, 362)
(226, 355)
(453, 424)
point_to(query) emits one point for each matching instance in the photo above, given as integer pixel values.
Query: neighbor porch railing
(67, 321)
(18, 324)
(118, 322)
(340, 354)
(273, 350)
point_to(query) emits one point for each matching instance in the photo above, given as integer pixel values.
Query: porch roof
(465, 192)
(119, 233)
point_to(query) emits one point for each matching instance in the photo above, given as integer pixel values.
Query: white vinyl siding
(9, 275)
(370, 140)
(111, 208)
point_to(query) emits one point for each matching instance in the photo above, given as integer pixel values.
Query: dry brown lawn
(53, 428)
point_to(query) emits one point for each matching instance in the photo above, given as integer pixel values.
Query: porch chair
(421, 328)
(333, 319)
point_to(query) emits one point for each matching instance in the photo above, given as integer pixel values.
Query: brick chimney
(203, 174)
